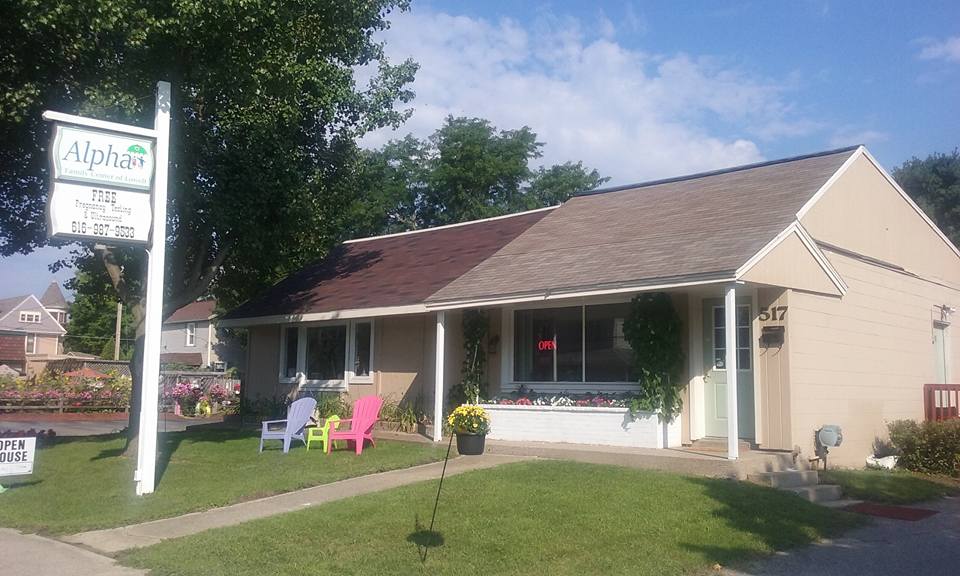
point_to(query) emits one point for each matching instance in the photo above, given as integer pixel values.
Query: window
(326, 352)
(720, 335)
(608, 355)
(290, 346)
(362, 349)
(327, 355)
(30, 317)
(191, 334)
(576, 344)
(31, 344)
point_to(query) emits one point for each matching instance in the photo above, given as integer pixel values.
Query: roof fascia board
(446, 226)
(910, 201)
(322, 316)
(821, 258)
(830, 182)
(796, 228)
(545, 296)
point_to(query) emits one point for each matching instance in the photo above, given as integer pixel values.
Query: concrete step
(786, 478)
(818, 494)
(717, 445)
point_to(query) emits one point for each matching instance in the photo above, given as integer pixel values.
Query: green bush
(931, 447)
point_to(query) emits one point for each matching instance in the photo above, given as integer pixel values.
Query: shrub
(931, 447)
(403, 415)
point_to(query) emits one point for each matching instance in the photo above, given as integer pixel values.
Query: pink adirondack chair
(359, 427)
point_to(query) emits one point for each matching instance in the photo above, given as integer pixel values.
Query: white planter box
(581, 425)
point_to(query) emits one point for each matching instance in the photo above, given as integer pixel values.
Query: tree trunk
(136, 374)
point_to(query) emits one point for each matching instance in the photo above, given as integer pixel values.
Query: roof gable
(864, 211)
(10, 319)
(701, 227)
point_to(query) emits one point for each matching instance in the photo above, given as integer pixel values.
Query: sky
(645, 90)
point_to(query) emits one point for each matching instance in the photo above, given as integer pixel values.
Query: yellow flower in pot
(470, 423)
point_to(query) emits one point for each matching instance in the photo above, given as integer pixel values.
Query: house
(32, 330)
(841, 291)
(190, 338)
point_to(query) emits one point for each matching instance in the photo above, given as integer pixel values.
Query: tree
(93, 316)
(934, 184)
(466, 170)
(265, 114)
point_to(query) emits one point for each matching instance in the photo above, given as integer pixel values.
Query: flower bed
(55, 392)
(586, 419)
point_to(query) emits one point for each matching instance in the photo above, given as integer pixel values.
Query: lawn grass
(890, 487)
(85, 483)
(539, 517)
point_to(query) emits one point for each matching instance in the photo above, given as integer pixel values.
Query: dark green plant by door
(654, 331)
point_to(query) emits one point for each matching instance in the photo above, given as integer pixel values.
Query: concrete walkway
(114, 540)
(888, 547)
(32, 555)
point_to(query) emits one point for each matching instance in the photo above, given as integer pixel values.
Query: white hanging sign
(82, 154)
(108, 215)
(16, 456)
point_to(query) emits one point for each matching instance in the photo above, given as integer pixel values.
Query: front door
(940, 351)
(714, 360)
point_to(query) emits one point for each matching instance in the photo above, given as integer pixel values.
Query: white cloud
(632, 115)
(948, 50)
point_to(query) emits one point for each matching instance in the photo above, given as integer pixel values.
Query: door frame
(700, 370)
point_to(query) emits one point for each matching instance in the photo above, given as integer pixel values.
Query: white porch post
(438, 379)
(730, 331)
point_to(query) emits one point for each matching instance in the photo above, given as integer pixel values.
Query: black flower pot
(470, 444)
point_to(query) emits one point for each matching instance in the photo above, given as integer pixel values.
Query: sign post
(109, 186)
(146, 475)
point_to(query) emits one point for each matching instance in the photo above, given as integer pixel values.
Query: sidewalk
(29, 554)
(113, 540)
(888, 547)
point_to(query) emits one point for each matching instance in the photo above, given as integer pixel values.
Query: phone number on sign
(102, 229)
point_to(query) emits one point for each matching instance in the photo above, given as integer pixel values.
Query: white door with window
(940, 352)
(714, 360)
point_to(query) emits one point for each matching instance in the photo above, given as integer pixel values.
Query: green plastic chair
(322, 433)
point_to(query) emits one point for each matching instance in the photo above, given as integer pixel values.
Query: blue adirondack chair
(298, 415)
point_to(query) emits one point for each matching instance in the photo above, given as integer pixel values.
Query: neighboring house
(31, 330)
(841, 290)
(190, 337)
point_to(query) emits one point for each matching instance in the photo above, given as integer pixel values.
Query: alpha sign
(16, 456)
(108, 214)
(99, 157)
(101, 185)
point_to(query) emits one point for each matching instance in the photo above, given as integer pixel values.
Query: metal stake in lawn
(436, 503)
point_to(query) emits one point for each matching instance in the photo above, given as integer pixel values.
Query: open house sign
(16, 456)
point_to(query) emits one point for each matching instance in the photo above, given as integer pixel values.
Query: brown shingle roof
(185, 358)
(193, 312)
(702, 226)
(397, 270)
(53, 297)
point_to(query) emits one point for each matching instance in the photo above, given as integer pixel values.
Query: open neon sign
(544, 345)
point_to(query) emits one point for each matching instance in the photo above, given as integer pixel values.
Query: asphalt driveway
(888, 547)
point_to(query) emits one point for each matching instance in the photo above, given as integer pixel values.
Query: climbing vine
(653, 330)
(473, 373)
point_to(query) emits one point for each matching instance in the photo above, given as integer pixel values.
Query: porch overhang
(578, 292)
(323, 316)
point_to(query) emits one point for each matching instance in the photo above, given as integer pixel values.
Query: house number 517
(773, 313)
